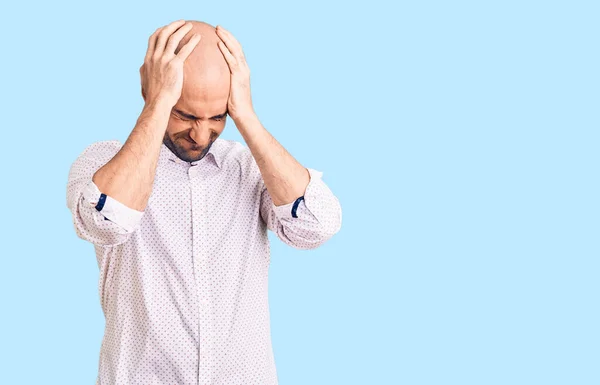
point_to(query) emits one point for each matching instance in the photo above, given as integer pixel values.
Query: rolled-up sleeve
(97, 217)
(307, 222)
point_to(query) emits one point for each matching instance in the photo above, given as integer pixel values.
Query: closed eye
(180, 117)
(183, 116)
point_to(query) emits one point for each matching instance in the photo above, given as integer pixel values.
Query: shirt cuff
(111, 208)
(298, 207)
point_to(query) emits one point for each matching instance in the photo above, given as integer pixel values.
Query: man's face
(196, 121)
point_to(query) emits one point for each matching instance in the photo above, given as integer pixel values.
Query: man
(179, 218)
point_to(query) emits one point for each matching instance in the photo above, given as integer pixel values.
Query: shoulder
(93, 157)
(238, 158)
(101, 151)
(235, 153)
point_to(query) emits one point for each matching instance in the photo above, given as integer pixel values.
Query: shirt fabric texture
(183, 284)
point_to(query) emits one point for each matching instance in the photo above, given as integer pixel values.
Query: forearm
(128, 177)
(284, 177)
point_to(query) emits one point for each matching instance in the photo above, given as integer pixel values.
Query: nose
(201, 132)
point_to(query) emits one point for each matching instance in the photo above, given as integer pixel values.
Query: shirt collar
(216, 153)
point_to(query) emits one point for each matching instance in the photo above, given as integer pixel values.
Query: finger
(231, 61)
(151, 44)
(164, 34)
(228, 39)
(233, 45)
(187, 49)
(175, 39)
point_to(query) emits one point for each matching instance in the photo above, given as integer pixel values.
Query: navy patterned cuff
(100, 204)
(295, 206)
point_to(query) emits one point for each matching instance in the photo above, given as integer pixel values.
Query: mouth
(194, 146)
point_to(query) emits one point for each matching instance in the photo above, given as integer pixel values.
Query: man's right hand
(162, 71)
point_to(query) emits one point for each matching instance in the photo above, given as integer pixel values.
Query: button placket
(198, 229)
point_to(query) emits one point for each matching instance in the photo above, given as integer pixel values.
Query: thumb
(142, 77)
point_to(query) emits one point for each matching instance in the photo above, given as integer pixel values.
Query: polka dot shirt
(183, 284)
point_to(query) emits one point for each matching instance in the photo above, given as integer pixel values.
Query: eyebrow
(189, 116)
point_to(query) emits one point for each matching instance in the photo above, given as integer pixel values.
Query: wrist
(157, 111)
(245, 119)
(159, 103)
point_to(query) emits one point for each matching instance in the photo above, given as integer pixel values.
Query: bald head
(206, 73)
(199, 115)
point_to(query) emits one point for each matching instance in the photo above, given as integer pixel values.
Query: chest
(203, 198)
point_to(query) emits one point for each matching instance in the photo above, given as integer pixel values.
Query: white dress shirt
(183, 284)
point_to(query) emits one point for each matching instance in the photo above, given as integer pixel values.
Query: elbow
(315, 235)
(331, 225)
(106, 239)
(90, 225)
(311, 239)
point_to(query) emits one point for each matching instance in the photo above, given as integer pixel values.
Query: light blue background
(461, 139)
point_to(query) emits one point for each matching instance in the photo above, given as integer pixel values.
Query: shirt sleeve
(97, 217)
(308, 221)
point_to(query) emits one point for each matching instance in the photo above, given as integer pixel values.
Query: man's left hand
(239, 103)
